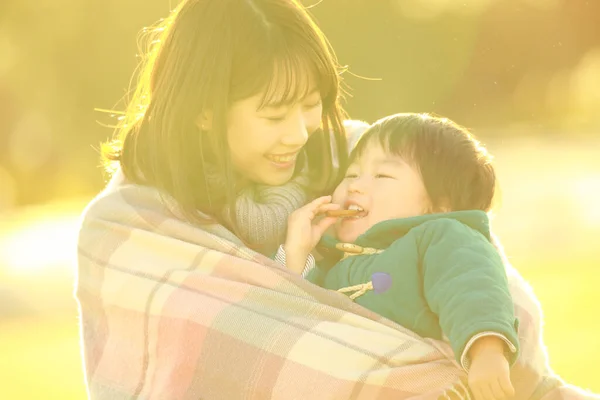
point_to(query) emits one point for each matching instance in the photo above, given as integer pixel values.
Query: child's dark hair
(456, 169)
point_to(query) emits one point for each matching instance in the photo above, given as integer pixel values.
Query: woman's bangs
(293, 76)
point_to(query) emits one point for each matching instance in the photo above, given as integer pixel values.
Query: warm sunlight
(40, 244)
(153, 302)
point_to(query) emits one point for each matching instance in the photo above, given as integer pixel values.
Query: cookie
(342, 213)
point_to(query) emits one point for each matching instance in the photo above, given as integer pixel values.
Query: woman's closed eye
(384, 175)
(313, 105)
(275, 118)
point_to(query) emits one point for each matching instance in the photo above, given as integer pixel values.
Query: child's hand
(303, 232)
(489, 375)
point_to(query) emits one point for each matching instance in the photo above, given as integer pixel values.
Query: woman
(232, 92)
(234, 124)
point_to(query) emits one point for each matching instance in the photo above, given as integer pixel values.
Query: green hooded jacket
(446, 279)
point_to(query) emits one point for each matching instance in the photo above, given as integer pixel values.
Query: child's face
(384, 186)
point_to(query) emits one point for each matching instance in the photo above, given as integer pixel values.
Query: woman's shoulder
(119, 202)
(124, 206)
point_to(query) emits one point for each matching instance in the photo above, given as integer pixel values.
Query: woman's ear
(205, 121)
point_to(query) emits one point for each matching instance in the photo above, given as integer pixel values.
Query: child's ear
(442, 207)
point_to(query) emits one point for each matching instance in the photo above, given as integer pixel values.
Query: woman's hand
(489, 375)
(304, 231)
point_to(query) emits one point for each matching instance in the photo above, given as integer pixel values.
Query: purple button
(381, 282)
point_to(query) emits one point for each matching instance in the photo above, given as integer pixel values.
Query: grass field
(549, 224)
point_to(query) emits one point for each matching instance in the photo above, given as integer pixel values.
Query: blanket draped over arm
(175, 311)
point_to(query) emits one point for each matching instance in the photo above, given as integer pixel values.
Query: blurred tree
(485, 63)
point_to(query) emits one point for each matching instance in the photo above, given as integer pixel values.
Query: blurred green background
(523, 74)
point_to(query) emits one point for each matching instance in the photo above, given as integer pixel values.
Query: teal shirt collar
(383, 234)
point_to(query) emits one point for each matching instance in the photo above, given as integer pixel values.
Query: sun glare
(39, 245)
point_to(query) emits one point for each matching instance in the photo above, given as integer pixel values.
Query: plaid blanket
(172, 311)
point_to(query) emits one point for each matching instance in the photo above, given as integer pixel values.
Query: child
(418, 249)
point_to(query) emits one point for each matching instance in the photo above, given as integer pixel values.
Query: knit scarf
(261, 211)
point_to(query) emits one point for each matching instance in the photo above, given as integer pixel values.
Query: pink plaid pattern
(172, 311)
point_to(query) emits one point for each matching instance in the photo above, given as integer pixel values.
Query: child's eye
(351, 176)
(384, 176)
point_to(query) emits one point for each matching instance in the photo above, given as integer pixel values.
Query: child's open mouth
(352, 212)
(358, 211)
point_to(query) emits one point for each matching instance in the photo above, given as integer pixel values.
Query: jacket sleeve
(280, 257)
(465, 284)
(316, 275)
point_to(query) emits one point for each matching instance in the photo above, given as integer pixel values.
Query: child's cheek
(333, 229)
(339, 194)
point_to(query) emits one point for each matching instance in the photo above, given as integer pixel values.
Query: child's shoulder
(459, 224)
(444, 224)
(450, 221)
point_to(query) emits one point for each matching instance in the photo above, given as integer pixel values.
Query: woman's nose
(297, 131)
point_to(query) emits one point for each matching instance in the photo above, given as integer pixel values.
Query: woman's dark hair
(206, 55)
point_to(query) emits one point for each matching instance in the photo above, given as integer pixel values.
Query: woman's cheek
(315, 119)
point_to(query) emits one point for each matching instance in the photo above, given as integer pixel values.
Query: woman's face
(264, 143)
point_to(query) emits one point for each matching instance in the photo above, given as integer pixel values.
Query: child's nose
(357, 186)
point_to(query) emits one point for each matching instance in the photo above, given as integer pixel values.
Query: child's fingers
(486, 392)
(320, 201)
(311, 209)
(482, 392)
(314, 206)
(506, 385)
(497, 391)
(324, 224)
(323, 208)
(477, 393)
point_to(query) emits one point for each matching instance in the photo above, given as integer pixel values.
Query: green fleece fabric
(448, 280)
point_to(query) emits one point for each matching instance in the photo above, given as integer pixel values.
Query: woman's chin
(274, 177)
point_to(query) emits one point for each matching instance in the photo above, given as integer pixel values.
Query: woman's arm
(170, 310)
